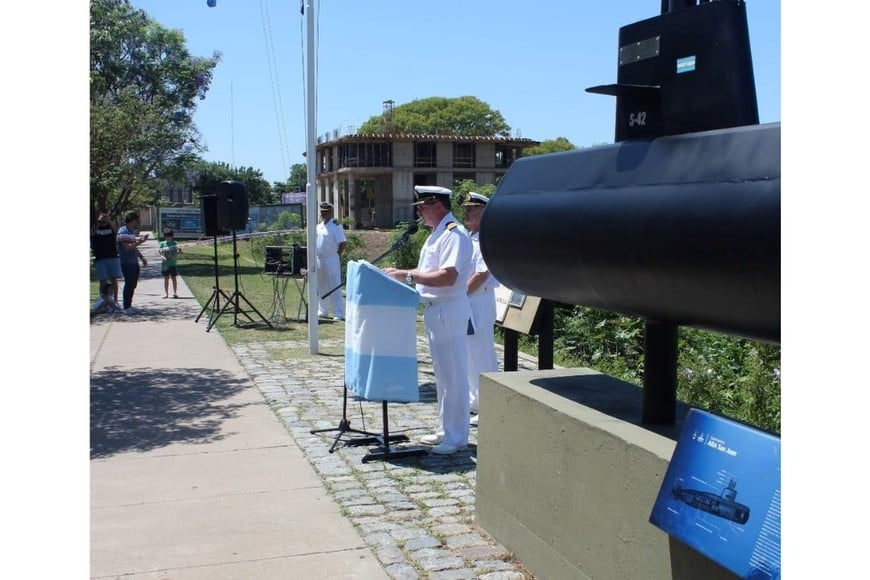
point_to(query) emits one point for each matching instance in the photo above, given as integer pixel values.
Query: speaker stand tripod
(236, 296)
(214, 300)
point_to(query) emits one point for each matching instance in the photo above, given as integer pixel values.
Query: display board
(721, 495)
(515, 310)
(185, 222)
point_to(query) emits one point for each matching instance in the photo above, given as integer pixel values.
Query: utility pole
(311, 189)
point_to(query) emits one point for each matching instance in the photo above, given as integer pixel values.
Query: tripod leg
(230, 301)
(227, 304)
(204, 308)
(255, 310)
(303, 303)
(234, 299)
(344, 427)
(384, 451)
(216, 293)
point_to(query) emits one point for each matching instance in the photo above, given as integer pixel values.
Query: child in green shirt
(169, 251)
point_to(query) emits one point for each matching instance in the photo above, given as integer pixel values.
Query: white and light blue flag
(380, 340)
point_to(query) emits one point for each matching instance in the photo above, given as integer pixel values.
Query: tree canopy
(550, 146)
(144, 87)
(440, 116)
(298, 180)
(209, 174)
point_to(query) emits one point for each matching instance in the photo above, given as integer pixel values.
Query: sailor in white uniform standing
(440, 278)
(481, 293)
(331, 243)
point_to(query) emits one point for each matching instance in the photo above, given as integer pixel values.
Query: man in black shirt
(105, 249)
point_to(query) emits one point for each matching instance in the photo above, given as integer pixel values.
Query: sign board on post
(185, 222)
(502, 300)
(514, 310)
(721, 495)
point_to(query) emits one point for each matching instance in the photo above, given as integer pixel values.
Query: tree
(210, 173)
(440, 116)
(550, 146)
(460, 194)
(259, 190)
(298, 180)
(144, 86)
(464, 186)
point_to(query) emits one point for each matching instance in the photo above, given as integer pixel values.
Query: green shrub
(407, 255)
(354, 250)
(732, 376)
(284, 231)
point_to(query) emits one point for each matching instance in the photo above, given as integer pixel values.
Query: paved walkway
(203, 464)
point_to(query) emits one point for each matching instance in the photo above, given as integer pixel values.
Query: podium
(380, 346)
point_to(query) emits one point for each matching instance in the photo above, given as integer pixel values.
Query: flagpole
(311, 159)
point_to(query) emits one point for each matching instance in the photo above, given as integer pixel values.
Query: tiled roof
(432, 137)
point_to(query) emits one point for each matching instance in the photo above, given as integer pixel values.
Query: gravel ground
(415, 513)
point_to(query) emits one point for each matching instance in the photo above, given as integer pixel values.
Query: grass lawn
(196, 266)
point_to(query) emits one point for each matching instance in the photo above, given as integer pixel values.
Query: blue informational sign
(185, 222)
(721, 495)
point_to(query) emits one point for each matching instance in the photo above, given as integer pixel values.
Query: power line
(271, 63)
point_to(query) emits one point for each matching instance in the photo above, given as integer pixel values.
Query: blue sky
(531, 61)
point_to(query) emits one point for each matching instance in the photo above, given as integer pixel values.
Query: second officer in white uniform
(481, 293)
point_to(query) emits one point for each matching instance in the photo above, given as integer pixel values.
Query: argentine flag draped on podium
(380, 340)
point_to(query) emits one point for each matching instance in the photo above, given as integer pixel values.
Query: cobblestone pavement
(416, 513)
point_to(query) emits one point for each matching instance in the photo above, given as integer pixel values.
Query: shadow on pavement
(147, 409)
(168, 309)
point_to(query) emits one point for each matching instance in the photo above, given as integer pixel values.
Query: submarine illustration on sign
(723, 505)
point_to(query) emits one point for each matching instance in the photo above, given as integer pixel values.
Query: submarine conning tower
(678, 221)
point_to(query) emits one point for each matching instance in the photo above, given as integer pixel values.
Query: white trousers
(329, 277)
(447, 326)
(481, 345)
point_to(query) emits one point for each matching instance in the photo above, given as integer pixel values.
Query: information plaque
(721, 495)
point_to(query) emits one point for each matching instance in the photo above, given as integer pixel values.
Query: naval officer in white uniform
(331, 243)
(441, 279)
(481, 293)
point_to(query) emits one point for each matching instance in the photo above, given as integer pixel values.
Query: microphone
(406, 235)
(400, 241)
(412, 229)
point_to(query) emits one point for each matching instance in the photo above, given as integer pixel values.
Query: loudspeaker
(298, 259)
(232, 205)
(208, 207)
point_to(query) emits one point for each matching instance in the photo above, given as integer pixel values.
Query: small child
(169, 251)
(105, 304)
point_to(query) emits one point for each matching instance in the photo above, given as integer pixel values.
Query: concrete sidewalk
(204, 464)
(192, 474)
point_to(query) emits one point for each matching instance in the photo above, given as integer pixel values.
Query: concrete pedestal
(567, 478)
